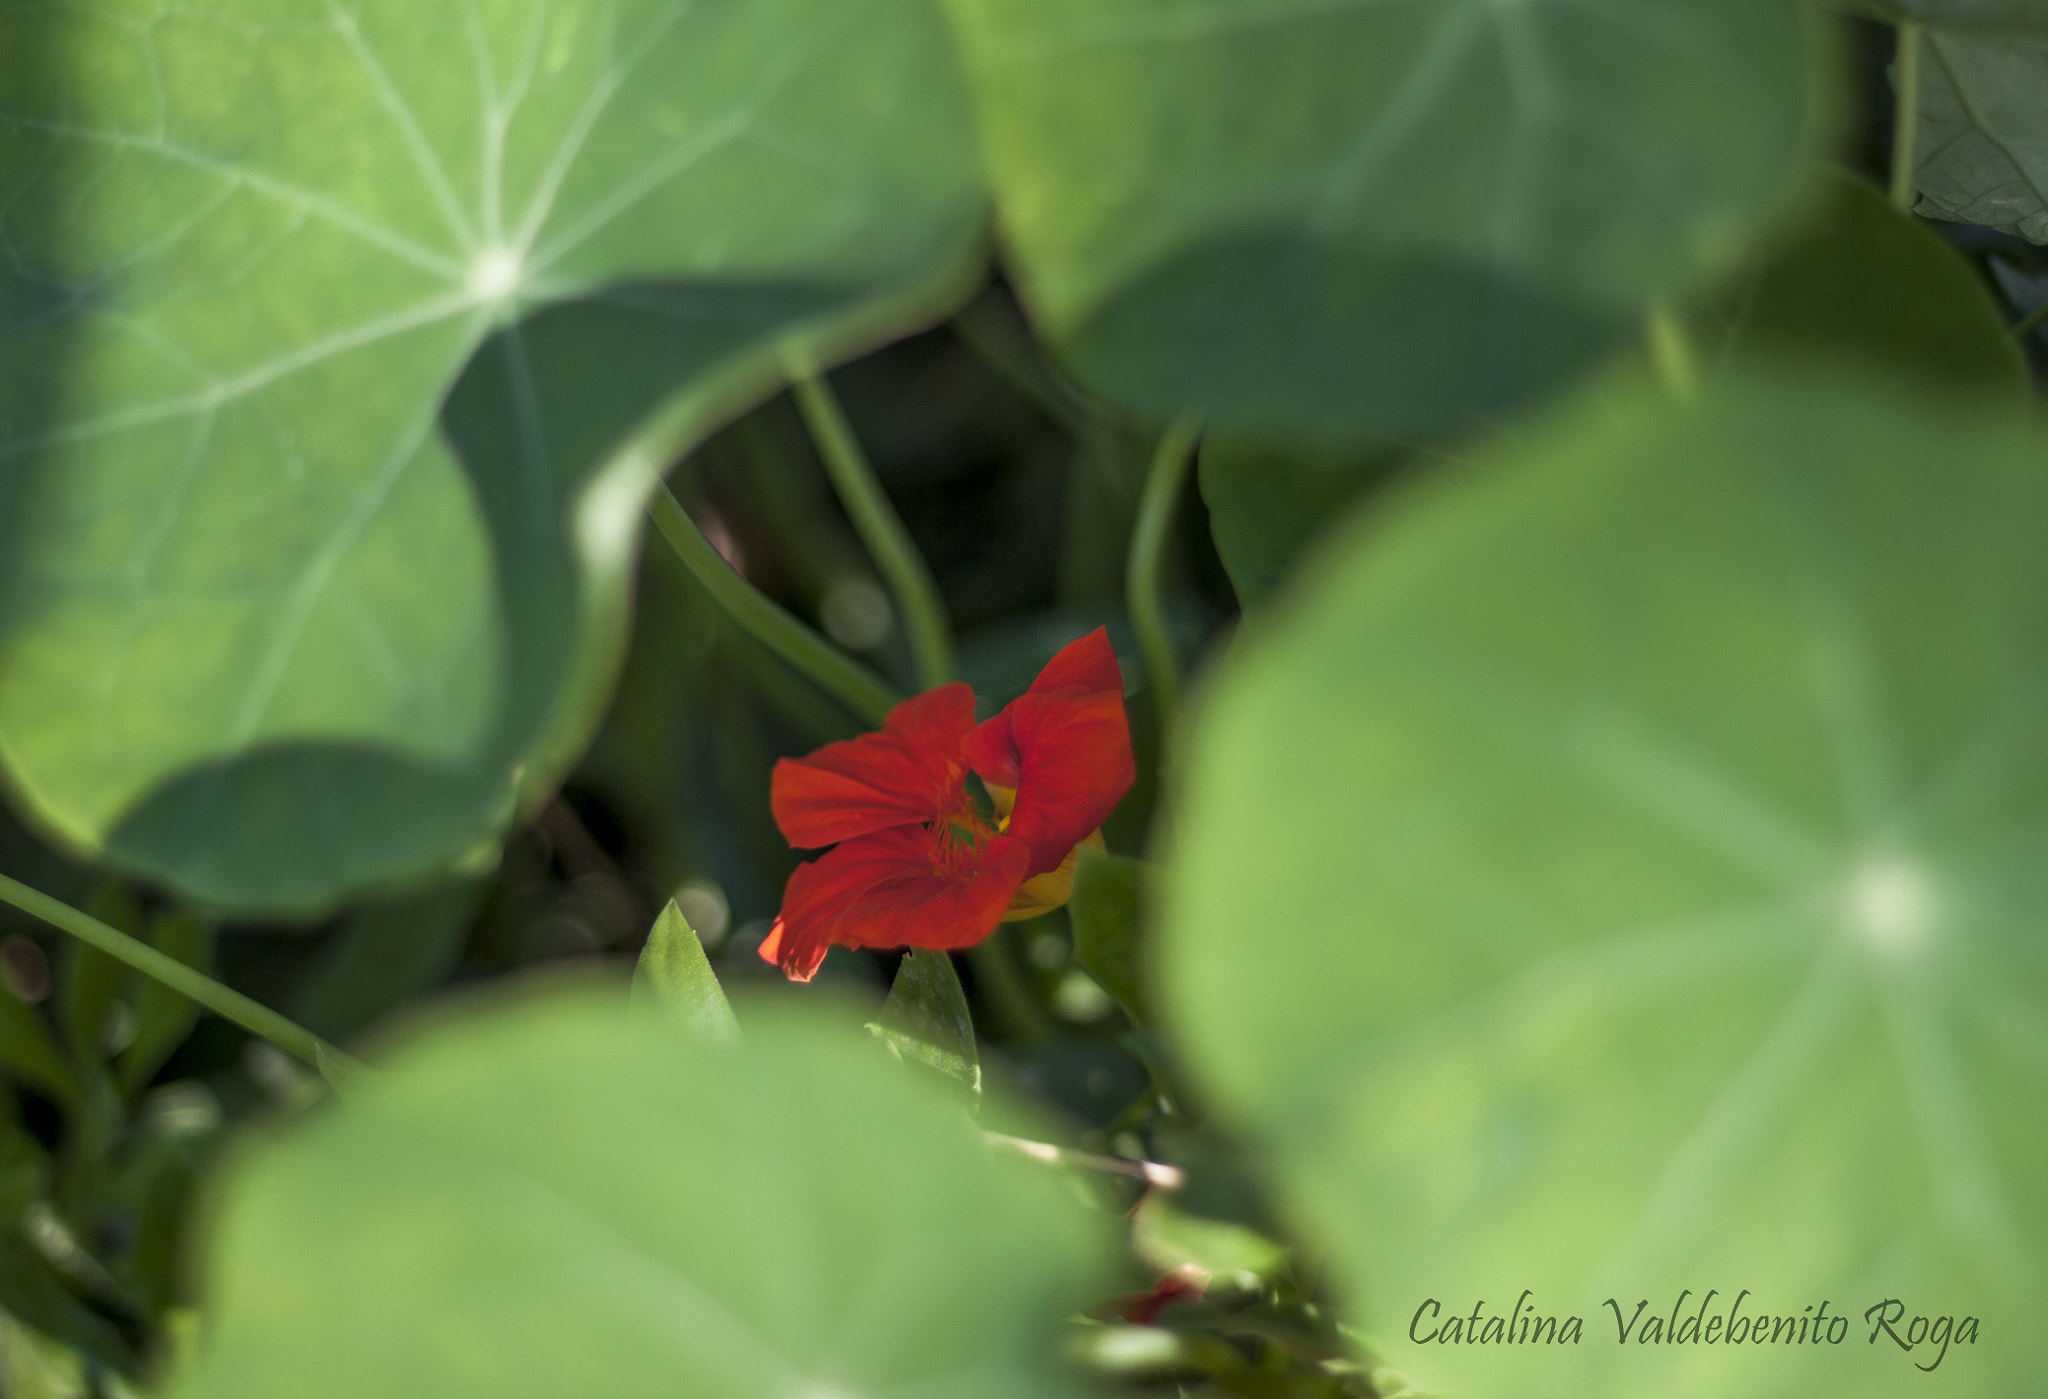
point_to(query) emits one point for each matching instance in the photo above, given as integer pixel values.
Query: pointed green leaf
(164, 1017)
(1360, 218)
(1622, 872)
(343, 340)
(387, 952)
(926, 1019)
(1863, 283)
(555, 1199)
(29, 1050)
(1107, 914)
(1981, 153)
(675, 977)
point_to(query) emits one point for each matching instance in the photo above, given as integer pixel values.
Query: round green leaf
(1622, 872)
(1361, 218)
(559, 1199)
(340, 344)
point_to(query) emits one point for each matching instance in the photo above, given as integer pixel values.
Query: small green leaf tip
(926, 1018)
(675, 977)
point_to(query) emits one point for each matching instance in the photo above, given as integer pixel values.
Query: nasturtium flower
(916, 860)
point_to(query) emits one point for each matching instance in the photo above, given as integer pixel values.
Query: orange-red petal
(1065, 746)
(894, 888)
(909, 772)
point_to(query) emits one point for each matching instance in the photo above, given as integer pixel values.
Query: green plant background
(1598, 848)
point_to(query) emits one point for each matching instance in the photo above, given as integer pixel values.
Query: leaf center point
(495, 275)
(1893, 904)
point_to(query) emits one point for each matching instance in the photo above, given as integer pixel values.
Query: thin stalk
(879, 527)
(1142, 585)
(839, 675)
(1151, 1172)
(1905, 113)
(1671, 353)
(2031, 322)
(257, 1019)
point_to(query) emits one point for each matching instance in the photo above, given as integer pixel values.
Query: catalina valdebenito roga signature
(1924, 1339)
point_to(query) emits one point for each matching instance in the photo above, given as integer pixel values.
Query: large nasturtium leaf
(339, 344)
(561, 1199)
(1860, 282)
(1623, 871)
(1335, 219)
(1981, 150)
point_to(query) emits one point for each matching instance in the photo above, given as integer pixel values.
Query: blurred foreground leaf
(275, 624)
(1622, 872)
(542, 1200)
(1168, 1237)
(1380, 220)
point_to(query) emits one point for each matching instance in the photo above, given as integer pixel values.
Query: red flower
(914, 861)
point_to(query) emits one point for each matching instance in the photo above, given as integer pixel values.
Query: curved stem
(879, 527)
(1905, 113)
(832, 670)
(2031, 322)
(1671, 352)
(1142, 587)
(257, 1019)
(1151, 1172)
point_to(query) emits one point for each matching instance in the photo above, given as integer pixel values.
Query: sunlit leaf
(1334, 219)
(340, 341)
(1621, 872)
(926, 1019)
(557, 1199)
(675, 978)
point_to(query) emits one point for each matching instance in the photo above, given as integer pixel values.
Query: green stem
(258, 1020)
(761, 617)
(1671, 353)
(876, 521)
(1905, 113)
(2031, 322)
(1142, 585)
